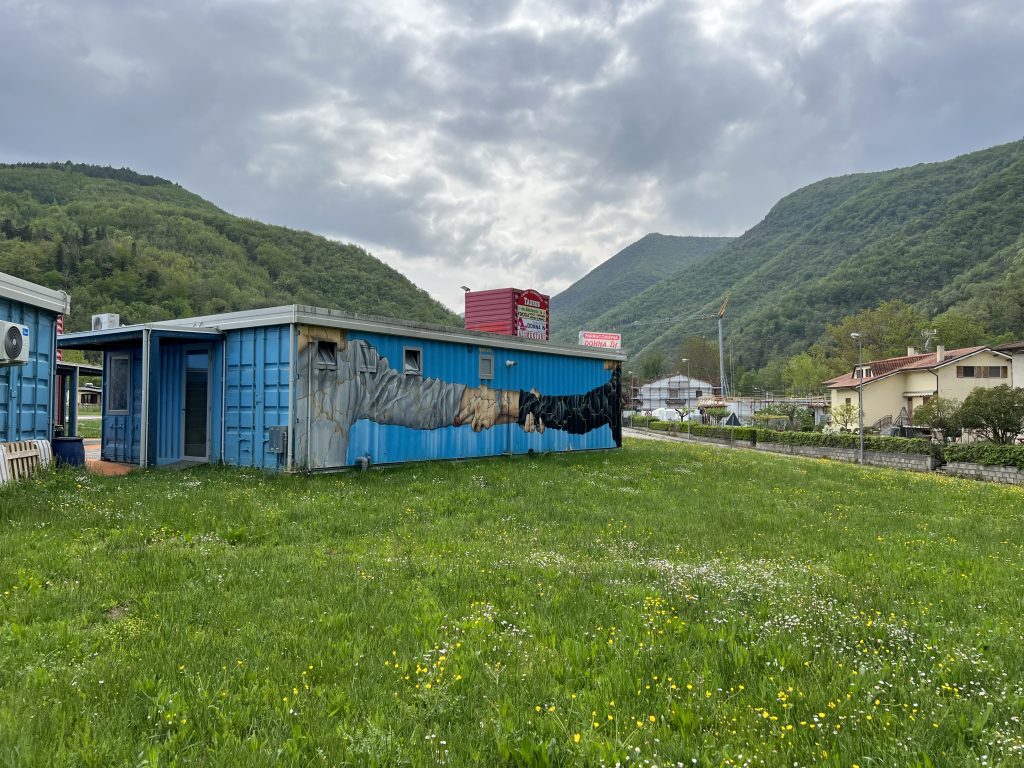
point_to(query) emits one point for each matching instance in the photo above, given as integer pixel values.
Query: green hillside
(147, 249)
(939, 236)
(633, 269)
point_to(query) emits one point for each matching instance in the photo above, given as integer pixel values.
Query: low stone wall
(915, 462)
(1010, 475)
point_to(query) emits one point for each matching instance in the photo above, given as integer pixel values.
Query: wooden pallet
(23, 458)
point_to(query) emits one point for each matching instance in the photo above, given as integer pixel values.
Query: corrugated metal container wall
(455, 362)
(492, 311)
(256, 394)
(171, 405)
(121, 429)
(26, 393)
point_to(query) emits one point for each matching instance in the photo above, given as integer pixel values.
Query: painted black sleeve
(576, 414)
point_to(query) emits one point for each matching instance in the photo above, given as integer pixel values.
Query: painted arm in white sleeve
(389, 397)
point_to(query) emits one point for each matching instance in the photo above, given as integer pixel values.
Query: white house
(677, 391)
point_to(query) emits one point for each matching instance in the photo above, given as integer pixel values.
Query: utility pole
(721, 344)
(860, 393)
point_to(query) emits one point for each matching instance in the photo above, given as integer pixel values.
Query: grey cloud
(468, 140)
(561, 265)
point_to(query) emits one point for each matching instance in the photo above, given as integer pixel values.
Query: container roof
(16, 289)
(334, 318)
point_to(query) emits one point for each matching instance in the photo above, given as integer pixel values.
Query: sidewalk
(96, 466)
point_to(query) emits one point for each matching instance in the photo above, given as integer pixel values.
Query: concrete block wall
(908, 461)
(1010, 475)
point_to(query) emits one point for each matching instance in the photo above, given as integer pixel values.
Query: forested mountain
(652, 258)
(147, 249)
(940, 236)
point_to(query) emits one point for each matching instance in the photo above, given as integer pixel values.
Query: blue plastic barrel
(68, 450)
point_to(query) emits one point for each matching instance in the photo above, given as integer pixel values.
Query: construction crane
(721, 344)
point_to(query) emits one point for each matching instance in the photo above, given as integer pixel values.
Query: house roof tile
(890, 365)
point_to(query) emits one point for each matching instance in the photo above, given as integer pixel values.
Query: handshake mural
(484, 407)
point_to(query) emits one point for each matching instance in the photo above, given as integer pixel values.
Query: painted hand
(479, 407)
(534, 423)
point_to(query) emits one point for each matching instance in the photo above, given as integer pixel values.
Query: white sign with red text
(605, 340)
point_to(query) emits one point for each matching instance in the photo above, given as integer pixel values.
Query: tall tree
(885, 331)
(803, 374)
(955, 329)
(652, 365)
(703, 358)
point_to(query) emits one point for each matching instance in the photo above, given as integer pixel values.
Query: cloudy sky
(506, 142)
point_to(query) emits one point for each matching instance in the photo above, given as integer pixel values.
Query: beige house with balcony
(894, 387)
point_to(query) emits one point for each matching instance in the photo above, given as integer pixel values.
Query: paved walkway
(94, 465)
(665, 437)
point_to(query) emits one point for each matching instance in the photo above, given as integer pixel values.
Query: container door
(197, 405)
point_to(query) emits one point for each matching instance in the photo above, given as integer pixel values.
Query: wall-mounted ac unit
(14, 344)
(106, 321)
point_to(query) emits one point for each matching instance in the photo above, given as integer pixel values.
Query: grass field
(89, 427)
(660, 605)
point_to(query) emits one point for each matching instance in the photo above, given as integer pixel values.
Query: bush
(989, 454)
(745, 434)
(847, 440)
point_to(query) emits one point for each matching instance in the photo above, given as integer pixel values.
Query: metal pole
(689, 394)
(860, 395)
(721, 359)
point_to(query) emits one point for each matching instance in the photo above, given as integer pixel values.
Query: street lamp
(689, 390)
(860, 393)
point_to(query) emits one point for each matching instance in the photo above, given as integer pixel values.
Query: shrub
(997, 412)
(746, 434)
(847, 440)
(989, 454)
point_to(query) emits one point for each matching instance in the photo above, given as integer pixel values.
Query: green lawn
(660, 605)
(89, 427)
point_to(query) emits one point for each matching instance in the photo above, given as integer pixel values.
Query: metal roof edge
(394, 327)
(15, 288)
(335, 318)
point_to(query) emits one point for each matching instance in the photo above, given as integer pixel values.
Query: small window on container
(412, 361)
(327, 356)
(486, 365)
(119, 384)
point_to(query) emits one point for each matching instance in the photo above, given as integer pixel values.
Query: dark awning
(84, 369)
(130, 336)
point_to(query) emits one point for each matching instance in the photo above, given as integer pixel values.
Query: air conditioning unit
(106, 321)
(14, 344)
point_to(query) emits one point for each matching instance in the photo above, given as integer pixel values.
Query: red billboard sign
(533, 315)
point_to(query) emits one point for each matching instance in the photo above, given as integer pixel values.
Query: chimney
(911, 351)
(940, 353)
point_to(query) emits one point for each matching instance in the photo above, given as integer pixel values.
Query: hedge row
(848, 440)
(754, 435)
(745, 434)
(989, 454)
